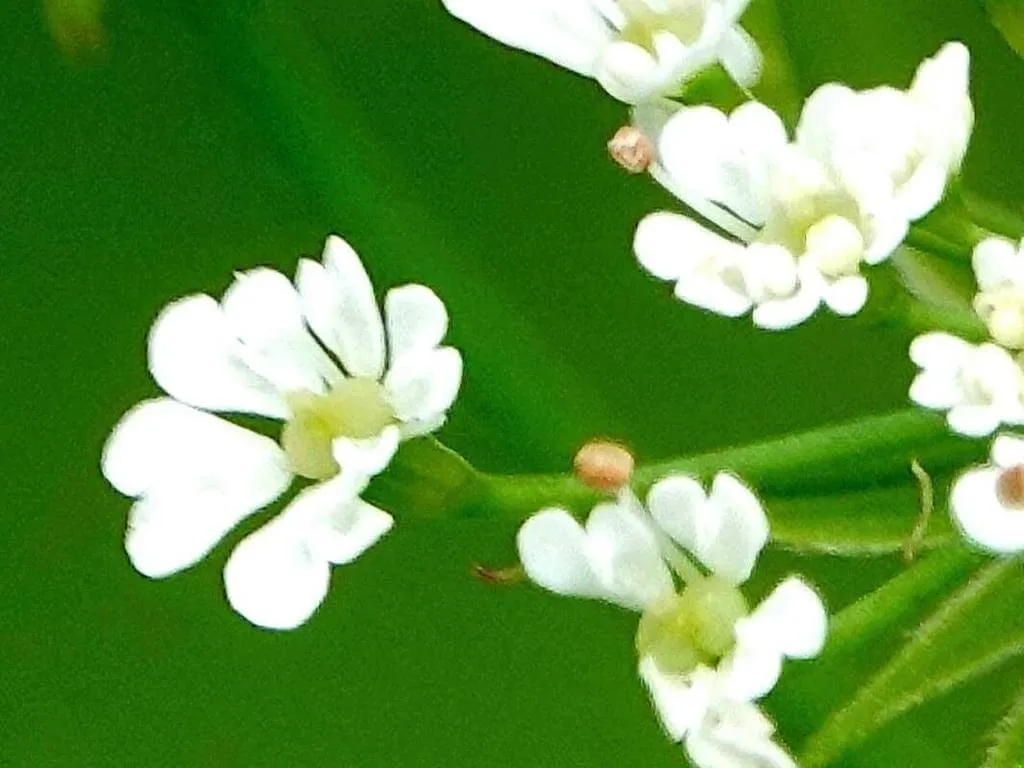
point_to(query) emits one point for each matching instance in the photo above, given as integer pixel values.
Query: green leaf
(876, 521)
(1008, 17)
(888, 606)
(1007, 750)
(975, 631)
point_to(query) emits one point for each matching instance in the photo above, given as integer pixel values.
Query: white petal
(338, 301)
(423, 385)
(419, 427)
(741, 533)
(712, 294)
(936, 388)
(824, 111)
(847, 295)
(416, 320)
(656, 244)
(678, 505)
(194, 357)
(757, 135)
(792, 619)
(680, 706)
(973, 420)
(629, 72)
(779, 314)
(976, 508)
(262, 310)
(940, 349)
(364, 458)
(624, 554)
(1008, 451)
(727, 745)
(741, 57)
(197, 477)
(702, 205)
(568, 33)
(997, 262)
(354, 529)
(887, 232)
(336, 525)
(751, 670)
(273, 579)
(553, 550)
(695, 146)
(923, 190)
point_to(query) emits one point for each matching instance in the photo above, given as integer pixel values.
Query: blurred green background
(190, 151)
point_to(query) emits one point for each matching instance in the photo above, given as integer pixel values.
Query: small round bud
(1010, 487)
(604, 465)
(631, 149)
(837, 245)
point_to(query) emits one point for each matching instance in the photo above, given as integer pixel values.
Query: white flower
(999, 270)
(988, 501)
(261, 350)
(980, 385)
(626, 555)
(895, 147)
(726, 531)
(718, 731)
(636, 49)
(802, 237)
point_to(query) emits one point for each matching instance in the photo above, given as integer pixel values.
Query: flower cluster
(982, 386)
(781, 222)
(314, 355)
(703, 654)
(803, 215)
(637, 50)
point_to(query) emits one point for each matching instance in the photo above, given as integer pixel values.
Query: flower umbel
(314, 355)
(636, 49)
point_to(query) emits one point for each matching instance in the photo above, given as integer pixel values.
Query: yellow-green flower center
(681, 632)
(356, 408)
(682, 18)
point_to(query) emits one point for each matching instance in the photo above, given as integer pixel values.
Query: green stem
(1000, 220)
(868, 452)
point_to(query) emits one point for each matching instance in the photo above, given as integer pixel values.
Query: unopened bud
(604, 465)
(631, 149)
(1010, 487)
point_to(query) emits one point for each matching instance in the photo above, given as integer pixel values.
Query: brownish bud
(604, 465)
(1010, 487)
(631, 149)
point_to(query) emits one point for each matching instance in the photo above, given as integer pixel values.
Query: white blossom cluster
(704, 656)
(981, 386)
(796, 220)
